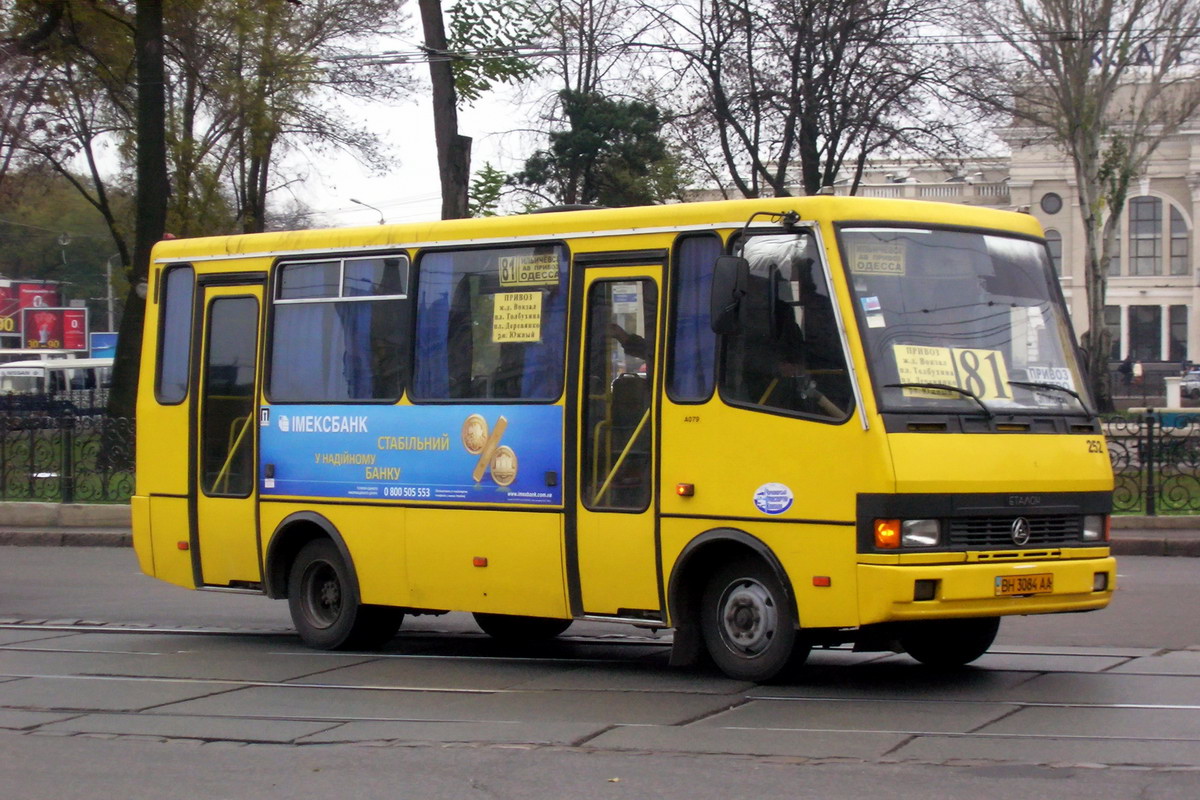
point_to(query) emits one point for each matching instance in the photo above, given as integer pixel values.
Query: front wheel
(509, 628)
(748, 624)
(325, 607)
(948, 643)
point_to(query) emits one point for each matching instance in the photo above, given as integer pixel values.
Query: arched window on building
(1054, 246)
(1159, 240)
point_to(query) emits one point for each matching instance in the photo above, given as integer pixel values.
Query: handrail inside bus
(223, 474)
(621, 458)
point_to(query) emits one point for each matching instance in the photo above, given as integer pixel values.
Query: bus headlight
(1095, 528)
(920, 533)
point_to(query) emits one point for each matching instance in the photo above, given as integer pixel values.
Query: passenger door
(616, 508)
(224, 485)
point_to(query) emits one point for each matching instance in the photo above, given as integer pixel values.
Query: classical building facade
(1153, 293)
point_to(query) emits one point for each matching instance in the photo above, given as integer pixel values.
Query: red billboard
(54, 328)
(16, 296)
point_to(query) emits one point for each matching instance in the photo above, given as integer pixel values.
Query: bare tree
(600, 47)
(152, 193)
(1106, 81)
(22, 78)
(803, 91)
(453, 149)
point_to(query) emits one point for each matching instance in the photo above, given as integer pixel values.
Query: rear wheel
(325, 607)
(947, 643)
(509, 628)
(748, 624)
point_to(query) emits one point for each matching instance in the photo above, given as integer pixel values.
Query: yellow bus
(768, 425)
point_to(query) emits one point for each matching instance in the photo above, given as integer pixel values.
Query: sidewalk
(55, 525)
(65, 525)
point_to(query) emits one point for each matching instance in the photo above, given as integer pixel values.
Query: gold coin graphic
(474, 434)
(504, 465)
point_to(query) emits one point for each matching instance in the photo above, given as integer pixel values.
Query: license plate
(1011, 585)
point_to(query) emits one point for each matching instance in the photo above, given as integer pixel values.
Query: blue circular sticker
(773, 498)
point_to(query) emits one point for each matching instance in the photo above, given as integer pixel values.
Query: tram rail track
(592, 691)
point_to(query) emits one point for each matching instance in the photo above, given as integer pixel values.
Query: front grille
(996, 532)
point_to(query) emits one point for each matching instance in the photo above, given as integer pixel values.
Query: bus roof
(721, 214)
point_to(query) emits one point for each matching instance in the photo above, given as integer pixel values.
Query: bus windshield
(957, 321)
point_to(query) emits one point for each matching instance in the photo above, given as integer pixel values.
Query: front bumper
(886, 592)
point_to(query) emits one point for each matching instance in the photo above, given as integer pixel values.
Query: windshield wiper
(946, 388)
(1053, 387)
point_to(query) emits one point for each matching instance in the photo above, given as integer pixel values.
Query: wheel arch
(698, 559)
(290, 535)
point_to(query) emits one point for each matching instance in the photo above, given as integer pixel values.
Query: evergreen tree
(612, 154)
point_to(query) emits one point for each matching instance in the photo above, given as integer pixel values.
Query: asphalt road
(166, 693)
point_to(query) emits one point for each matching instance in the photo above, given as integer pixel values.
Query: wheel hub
(749, 618)
(322, 594)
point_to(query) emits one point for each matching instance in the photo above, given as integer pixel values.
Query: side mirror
(731, 274)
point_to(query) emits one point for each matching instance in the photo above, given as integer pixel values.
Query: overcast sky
(410, 192)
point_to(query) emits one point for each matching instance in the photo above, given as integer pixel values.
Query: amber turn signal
(887, 534)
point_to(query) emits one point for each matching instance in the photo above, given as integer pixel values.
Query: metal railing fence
(52, 454)
(1156, 462)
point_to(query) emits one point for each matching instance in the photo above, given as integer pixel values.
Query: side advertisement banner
(457, 454)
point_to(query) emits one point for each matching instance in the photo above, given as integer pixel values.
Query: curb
(21, 515)
(60, 537)
(1156, 546)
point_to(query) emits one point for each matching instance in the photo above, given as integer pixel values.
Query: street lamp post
(368, 205)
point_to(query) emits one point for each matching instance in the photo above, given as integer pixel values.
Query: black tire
(748, 624)
(949, 643)
(509, 628)
(325, 607)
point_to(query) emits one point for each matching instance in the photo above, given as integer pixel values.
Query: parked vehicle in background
(1190, 385)
(79, 384)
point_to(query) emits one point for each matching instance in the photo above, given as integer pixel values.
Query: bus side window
(175, 335)
(691, 370)
(801, 369)
(340, 330)
(491, 324)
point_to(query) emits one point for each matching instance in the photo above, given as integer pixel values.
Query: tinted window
(801, 369)
(693, 343)
(491, 324)
(227, 417)
(175, 335)
(616, 464)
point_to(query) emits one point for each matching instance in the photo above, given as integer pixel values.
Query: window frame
(1054, 247)
(187, 343)
(204, 400)
(586, 453)
(673, 289)
(274, 288)
(567, 261)
(812, 230)
(1174, 232)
